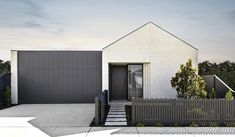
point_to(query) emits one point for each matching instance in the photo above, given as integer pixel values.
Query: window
(135, 81)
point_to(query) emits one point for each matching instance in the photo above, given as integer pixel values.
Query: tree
(205, 67)
(229, 95)
(224, 70)
(5, 66)
(188, 83)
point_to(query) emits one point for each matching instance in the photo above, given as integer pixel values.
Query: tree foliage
(5, 66)
(188, 83)
(224, 70)
(7, 97)
(229, 95)
(212, 93)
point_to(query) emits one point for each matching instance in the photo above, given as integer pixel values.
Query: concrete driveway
(47, 119)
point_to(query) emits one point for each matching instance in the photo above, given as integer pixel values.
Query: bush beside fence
(182, 111)
(5, 81)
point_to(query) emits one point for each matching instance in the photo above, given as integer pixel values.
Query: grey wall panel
(59, 76)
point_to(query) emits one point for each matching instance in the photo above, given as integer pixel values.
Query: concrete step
(116, 119)
(116, 116)
(111, 110)
(115, 123)
(116, 107)
(117, 113)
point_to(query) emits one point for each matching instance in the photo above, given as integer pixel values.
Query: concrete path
(116, 115)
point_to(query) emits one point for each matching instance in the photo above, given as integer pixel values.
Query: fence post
(133, 111)
(221, 111)
(173, 111)
(106, 101)
(97, 111)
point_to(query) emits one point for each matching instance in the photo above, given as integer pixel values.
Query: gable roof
(154, 25)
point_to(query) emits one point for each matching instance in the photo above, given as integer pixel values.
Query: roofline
(126, 35)
(174, 35)
(145, 25)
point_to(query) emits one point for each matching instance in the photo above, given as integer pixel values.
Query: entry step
(115, 123)
(117, 110)
(117, 113)
(117, 119)
(116, 116)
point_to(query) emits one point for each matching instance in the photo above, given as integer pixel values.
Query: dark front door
(119, 82)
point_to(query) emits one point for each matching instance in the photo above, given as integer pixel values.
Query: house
(140, 64)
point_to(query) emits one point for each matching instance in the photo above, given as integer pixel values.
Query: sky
(208, 25)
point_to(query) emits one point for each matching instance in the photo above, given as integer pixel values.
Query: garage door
(59, 76)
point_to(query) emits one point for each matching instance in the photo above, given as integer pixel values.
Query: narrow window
(135, 81)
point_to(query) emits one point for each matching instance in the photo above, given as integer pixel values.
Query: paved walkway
(116, 115)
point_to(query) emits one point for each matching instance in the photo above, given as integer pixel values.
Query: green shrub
(203, 124)
(158, 124)
(193, 124)
(232, 124)
(213, 124)
(212, 94)
(176, 124)
(140, 124)
(7, 97)
(229, 95)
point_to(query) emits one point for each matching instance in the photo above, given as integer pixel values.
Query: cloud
(28, 14)
(23, 13)
(20, 14)
(31, 23)
(20, 24)
(231, 16)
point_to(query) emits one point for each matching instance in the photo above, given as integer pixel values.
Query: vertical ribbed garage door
(59, 76)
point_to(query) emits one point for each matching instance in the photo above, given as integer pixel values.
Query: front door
(119, 82)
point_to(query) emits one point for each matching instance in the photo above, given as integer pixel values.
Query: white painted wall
(167, 53)
(14, 77)
(147, 80)
(161, 53)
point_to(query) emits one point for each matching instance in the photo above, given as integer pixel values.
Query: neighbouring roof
(157, 27)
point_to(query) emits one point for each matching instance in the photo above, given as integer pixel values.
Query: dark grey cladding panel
(59, 76)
